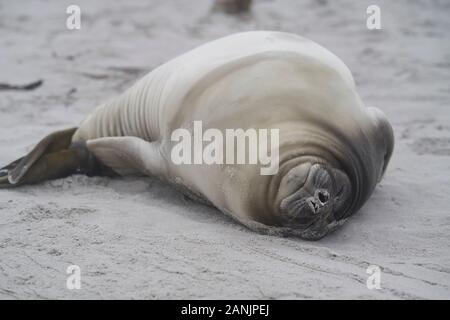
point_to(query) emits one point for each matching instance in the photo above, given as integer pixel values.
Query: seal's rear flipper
(128, 155)
(53, 157)
(49, 166)
(53, 142)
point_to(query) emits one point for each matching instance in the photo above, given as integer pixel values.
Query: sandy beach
(136, 238)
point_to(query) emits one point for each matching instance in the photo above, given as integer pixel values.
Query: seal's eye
(342, 194)
(339, 192)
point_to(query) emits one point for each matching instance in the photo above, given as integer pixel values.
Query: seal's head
(314, 198)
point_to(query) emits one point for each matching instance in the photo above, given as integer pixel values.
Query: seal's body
(332, 150)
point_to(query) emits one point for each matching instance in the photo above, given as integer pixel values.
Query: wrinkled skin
(319, 194)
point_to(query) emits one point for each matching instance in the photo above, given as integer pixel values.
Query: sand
(136, 238)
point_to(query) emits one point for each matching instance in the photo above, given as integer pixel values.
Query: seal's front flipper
(128, 155)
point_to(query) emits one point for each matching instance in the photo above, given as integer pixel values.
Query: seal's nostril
(323, 196)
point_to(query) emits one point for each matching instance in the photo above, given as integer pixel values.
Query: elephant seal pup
(332, 150)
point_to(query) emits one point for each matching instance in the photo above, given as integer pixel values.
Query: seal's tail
(53, 157)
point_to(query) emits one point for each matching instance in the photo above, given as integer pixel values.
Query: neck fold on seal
(349, 152)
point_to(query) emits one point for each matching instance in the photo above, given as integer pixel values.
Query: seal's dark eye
(340, 192)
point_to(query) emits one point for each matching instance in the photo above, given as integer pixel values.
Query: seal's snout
(312, 198)
(318, 201)
(322, 196)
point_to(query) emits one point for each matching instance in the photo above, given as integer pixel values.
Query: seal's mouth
(318, 201)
